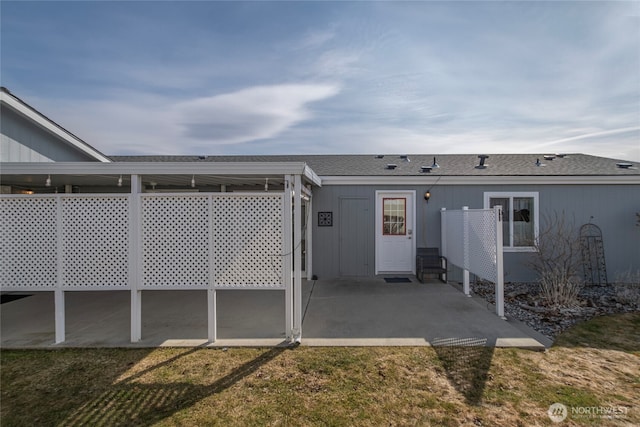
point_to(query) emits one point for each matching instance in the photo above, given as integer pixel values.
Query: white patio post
(499, 264)
(443, 231)
(135, 273)
(212, 324)
(309, 241)
(286, 261)
(59, 307)
(465, 233)
(297, 258)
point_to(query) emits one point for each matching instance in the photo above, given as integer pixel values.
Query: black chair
(429, 261)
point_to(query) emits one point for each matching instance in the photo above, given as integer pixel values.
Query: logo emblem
(557, 412)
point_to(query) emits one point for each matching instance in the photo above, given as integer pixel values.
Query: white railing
(472, 240)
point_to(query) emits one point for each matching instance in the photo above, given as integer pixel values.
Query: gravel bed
(521, 301)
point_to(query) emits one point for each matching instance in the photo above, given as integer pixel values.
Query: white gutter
(428, 179)
(51, 127)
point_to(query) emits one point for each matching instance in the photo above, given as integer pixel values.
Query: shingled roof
(449, 164)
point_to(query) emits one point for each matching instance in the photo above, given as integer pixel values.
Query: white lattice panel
(28, 242)
(482, 244)
(175, 241)
(248, 246)
(95, 241)
(454, 232)
(475, 250)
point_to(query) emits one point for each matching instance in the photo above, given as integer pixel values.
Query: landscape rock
(522, 302)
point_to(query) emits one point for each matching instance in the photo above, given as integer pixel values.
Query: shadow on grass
(466, 362)
(131, 403)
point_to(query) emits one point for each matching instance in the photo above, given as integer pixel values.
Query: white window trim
(536, 215)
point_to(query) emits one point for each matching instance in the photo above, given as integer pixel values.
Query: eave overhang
(43, 122)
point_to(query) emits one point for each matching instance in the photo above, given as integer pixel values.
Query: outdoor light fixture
(193, 181)
(120, 181)
(47, 183)
(427, 196)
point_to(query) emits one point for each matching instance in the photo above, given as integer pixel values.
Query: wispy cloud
(251, 113)
(136, 123)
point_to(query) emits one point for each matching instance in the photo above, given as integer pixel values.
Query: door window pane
(394, 215)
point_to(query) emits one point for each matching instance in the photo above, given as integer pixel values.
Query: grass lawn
(594, 365)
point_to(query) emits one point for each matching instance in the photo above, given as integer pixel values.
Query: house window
(395, 213)
(519, 219)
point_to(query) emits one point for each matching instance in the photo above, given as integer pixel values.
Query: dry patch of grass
(593, 365)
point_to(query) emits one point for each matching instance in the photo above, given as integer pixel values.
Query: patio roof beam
(162, 168)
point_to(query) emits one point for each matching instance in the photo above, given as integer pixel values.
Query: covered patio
(344, 312)
(85, 235)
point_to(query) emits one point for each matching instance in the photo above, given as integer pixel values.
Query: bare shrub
(557, 290)
(557, 261)
(627, 288)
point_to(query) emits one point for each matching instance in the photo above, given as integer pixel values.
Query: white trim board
(430, 180)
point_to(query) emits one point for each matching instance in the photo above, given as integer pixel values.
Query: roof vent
(483, 158)
(202, 157)
(405, 158)
(548, 157)
(561, 156)
(426, 169)
(435, 164)
(380, 156)
(391, 166)
(624, 165)
(538, 163)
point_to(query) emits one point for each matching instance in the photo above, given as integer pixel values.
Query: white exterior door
(395, 225)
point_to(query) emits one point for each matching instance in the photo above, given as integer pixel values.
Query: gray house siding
(21, 141)
(612, 207)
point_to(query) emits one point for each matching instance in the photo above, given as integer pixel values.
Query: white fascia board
(51, 127)
(311, 176)
(158, 168)
(483, 180)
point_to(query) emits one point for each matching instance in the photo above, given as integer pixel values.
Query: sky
(343, 77)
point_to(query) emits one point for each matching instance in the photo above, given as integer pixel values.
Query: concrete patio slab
(372, 312)
(353, 312)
